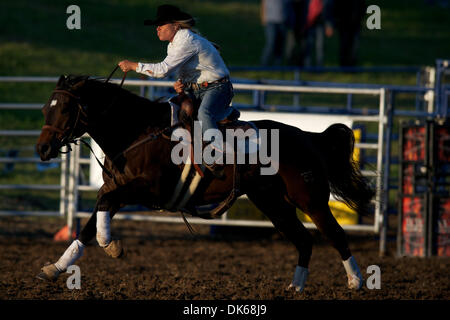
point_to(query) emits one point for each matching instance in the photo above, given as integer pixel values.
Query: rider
(201, 71)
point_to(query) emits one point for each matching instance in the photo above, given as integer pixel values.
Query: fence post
(297, 95)
(64, 182)
(255, 95)
(381, 125)
(441, 66)
(429, 95)
(349, 102)
(390, 95)
(73, 187)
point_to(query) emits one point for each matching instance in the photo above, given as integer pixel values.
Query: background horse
(311, 165)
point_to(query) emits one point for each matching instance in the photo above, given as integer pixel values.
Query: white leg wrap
(72, 254)
(354, 276)
(300, 276)
(103, 228)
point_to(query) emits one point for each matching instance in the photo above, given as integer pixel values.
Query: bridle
(65, 139)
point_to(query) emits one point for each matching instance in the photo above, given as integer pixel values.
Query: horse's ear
(78, 85)
(61, 80)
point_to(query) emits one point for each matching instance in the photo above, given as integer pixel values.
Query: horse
(310, 167)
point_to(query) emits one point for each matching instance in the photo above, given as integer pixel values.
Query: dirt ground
(165, 262)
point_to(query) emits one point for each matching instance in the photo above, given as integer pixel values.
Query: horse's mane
(116, 114)
(66, 83)
(125, 103)
(99, 82)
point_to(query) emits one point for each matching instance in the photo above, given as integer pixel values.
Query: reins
(151, 137)
(123, 78)
(66, 141)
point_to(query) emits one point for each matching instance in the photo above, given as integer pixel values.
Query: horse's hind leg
(328, 226)
(311, 194)
(284, 218)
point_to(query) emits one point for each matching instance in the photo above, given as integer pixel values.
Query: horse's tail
(346, 181)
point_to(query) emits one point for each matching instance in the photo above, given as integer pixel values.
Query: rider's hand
(126, 65)
(178, 86)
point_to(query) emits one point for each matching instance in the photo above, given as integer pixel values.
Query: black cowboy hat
(169, 14)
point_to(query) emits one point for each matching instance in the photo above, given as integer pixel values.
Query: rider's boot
(217, 169)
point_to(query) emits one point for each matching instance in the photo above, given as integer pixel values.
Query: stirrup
(217, 170)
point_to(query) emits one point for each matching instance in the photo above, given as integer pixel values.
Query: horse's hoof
(114, 249)
(355, 282)
(355, 279)
(49, 273)
(298, 289)
(300, 276)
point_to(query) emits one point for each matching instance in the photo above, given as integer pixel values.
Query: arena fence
(26, 187)
(70, 188)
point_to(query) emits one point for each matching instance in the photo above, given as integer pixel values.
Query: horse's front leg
(98, 225)
(113, 248)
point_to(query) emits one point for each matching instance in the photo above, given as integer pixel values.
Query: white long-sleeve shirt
(193, 57)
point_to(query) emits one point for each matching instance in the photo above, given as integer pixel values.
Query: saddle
(188, 111)
(189, 181)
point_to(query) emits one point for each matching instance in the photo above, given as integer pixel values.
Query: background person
(274, 19)
(310, 21)
(347, 16)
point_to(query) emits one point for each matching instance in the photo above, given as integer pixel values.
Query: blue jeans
(275, 42)
(214, 103)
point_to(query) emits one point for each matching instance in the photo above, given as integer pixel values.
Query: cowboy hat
(169, 14)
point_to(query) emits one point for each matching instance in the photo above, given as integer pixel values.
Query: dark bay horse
(311, 165)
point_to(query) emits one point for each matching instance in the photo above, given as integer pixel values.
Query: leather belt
(204, 84)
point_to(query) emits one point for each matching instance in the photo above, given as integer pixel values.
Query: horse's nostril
(43, 149)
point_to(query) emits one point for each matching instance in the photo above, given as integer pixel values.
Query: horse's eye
(65, 109)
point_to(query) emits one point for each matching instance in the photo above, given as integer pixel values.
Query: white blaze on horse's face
(53, 103)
